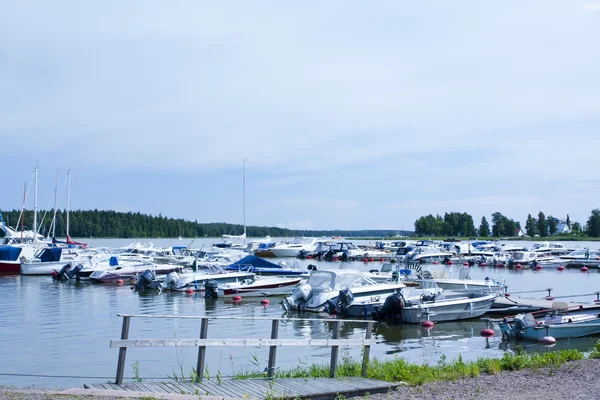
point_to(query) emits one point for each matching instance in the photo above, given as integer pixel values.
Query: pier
(260, 388)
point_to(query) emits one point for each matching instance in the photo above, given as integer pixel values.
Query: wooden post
(122, 351)
(273, 349)
(367, 349)
(202, 350)
(334, 350)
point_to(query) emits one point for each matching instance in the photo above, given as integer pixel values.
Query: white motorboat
(195, 281)
(552, 248)
(50, 259)
(292, 249)
(253, 287)
(323, 286)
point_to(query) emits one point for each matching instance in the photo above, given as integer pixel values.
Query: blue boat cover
(50, 254)
(9, 253)
(255, 262)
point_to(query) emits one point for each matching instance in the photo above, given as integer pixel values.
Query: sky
(350, 114)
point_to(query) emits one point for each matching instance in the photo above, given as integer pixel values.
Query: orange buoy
(236, 298)
(560, 268)
(487, 332)
(427, 324)
(584, 269)
(119, 281)
(189, 291)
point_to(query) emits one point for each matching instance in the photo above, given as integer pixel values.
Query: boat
(292, 249)
(446, 306)
(50, 259)
(194, 281)
(554, 324)
(131, 270)
(581, 255)
(463, 283)
(264, 267)
(323, 286)
(423, 254)
(253, 287)
(552, 248)
(10, 257)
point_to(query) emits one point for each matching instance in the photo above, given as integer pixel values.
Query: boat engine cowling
(346, 297)
(392, 307)
(170, 281)
(211, 288)
(67, 273)
(145, 280)
(299, 296)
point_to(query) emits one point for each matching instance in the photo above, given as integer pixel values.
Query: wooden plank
(114, 387)
(355, 321)
(164, 388)
(217, 390)
(179, 385)
(292, 388)
(138, 386)
(238, 342)
(172, 386)
(245, 387)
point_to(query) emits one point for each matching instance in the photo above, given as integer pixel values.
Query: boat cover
(51, 254)
(255, 262)
(9, 253)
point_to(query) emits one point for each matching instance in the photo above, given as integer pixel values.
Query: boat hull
(10, 267)
(273, 287)
(448, 311)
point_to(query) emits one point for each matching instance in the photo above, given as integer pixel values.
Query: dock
(303, 388)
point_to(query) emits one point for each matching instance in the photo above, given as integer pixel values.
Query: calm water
(57, 334)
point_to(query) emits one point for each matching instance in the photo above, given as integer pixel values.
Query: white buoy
(548, 340)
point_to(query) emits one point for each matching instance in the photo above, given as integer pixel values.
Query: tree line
(113, 224)
(461, 224)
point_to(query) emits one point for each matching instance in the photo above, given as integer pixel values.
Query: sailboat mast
(55, 199)
(68, 198)
(245, 201)
(23, 212)
(35, 205)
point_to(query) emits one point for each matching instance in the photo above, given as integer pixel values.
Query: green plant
(136, 371)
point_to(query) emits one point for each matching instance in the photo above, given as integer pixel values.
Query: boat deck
(313, 388)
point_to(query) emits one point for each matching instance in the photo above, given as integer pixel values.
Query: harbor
(53, 328)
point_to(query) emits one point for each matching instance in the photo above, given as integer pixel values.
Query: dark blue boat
(263, 267)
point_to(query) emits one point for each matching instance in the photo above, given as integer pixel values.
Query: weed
(136, 372)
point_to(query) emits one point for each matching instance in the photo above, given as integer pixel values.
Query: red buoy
(236, 298)
(506, 294)
(371, 259)
(518, 266)
(466, 264)
(560, 268)
(435, 262)
(548, 340)
(483, 264)
(450, 262)
(119, 281)
(335, 259)
(189, 291)
(381, 259)
(538, 267)
(427, 324)
(549, 298)
(265, 302)
(487, 332)
(500, 265)
(308, 257)
(365, 259)
(584, 269)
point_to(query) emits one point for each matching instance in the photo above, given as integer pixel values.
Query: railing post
(334, 350)
(367, 349)
(122, 351)
(202, 350)
(273, 349)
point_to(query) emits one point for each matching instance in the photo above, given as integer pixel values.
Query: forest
(113, 224)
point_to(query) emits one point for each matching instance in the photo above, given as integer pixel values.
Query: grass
(397, 369)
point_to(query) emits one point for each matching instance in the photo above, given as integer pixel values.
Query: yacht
(292, 249)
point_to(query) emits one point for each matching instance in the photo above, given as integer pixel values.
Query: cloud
(590, 8)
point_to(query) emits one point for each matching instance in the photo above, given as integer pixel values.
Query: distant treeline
(461, 224)
(112, 224)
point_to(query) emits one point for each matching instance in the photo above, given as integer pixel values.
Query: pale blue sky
(351, 114)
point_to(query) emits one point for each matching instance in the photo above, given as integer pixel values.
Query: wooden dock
(304, 388)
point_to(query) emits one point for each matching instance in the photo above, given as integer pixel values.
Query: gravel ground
(576, 380)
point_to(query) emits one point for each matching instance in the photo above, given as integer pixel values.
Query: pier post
(122, 351)
(273, 349)
(334, 350)
(201, 350)
(367, 350)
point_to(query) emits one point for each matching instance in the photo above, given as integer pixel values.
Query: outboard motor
(329, 255)
(311, 267)
(298, 298)
(211, 289)
(391, 308)
(67, 273)
(302, 254)
(145, 280)
(170, 281)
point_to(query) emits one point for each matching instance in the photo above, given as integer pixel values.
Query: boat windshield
(331, 280)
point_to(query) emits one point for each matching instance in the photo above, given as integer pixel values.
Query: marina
(64, 324)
